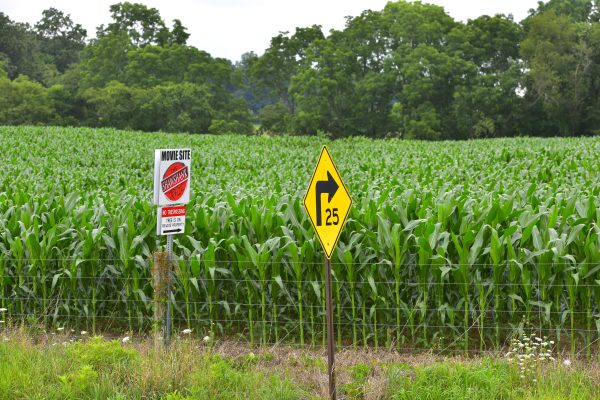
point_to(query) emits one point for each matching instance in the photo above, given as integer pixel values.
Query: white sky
(229, 28)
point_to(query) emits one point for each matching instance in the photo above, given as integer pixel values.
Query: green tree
(344, 87)
(280, 62)
(577, 10)
(113, 104)
(491, 43)
(489, 105)
(488, 102)
(559, 61)
(274, 118)
(323, 90)
(179, 34)
(24, 102)
(67, 107)
(61, 39)
(142, 25)
(412, 24)
(174, 107)
(21, 51)
(104, 60)
(429, 79)
(380, 75)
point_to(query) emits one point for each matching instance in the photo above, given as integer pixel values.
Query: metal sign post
(330, 333)
(328, 216)
(167, 337)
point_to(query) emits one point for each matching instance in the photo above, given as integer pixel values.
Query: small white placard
(170, 220)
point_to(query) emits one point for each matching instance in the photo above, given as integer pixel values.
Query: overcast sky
(229, 28)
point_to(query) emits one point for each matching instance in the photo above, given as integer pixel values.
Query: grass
(96, 368)
(486, 379)
(63, 366)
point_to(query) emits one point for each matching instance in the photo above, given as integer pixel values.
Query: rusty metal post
(330, 331)
(167, 332)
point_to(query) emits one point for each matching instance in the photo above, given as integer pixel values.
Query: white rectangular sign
(170, 220)
(172, 176)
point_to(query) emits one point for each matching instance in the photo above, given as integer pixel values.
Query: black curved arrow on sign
(330, 187)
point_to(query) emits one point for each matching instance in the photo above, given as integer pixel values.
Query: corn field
(453, 244)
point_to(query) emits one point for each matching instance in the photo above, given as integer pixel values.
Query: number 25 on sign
(327, 202)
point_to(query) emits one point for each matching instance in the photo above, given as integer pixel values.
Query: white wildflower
(83, 333)
(3, 310)
(125, 339)
(206, 339)
(59, 329)
(567, 363)
(187, 331)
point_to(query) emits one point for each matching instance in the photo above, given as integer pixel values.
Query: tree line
(409, 70)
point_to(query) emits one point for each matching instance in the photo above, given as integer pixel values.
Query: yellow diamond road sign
(327, 202)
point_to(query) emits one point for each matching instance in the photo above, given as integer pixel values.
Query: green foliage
(388, 73)
(484, 379)
(560, 69)
(24, 102)
(80, 383)
(356, 388)
(65, 109)
(221, 381)
(151, 88)
(61, 39)
(578, 10)
(100, 354)
(408, 70)
(280, 62)
(453, 381)
(114, 104)
(22, 52)
(56, 371)
(104, 61)
(172, 107)
(221, 127)
(142, 25)
(177, 396)
(47, 371)
(274, 118)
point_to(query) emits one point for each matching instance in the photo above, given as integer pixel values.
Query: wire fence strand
(372, 309)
